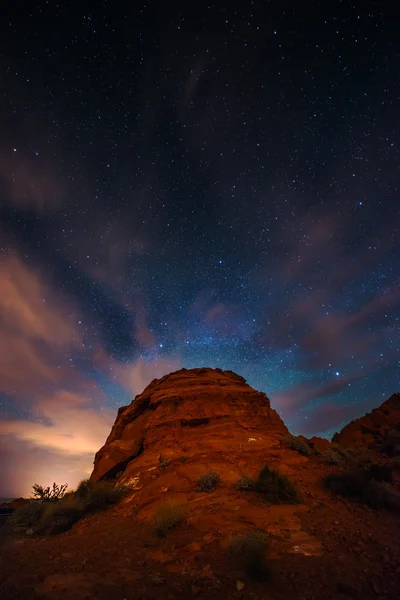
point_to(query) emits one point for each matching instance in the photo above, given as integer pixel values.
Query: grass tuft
(167, 516)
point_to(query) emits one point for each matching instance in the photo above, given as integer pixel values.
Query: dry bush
(98, 495)
(208, 482)
(370, 485)
(298, 444)
(330, 457)
(244, 483)
(276, 487)
(248, 552)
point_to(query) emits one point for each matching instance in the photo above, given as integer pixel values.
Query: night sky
(186, 185)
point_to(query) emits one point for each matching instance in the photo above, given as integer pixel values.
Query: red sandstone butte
(197, 418)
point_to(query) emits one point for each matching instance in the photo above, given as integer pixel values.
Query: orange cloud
(64, 423)
(58, 445)
(38, 327)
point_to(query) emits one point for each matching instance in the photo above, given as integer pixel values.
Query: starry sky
(187, 185)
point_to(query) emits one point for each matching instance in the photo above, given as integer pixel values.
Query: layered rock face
(194, 419)
(371, 430)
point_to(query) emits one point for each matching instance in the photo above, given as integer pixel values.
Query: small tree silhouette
(49, 495)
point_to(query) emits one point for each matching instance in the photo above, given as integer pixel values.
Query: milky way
(178, 188)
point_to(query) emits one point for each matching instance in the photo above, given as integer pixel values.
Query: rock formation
(190, 416)
(371, 430)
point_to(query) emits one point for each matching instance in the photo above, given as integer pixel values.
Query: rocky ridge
(371, 430)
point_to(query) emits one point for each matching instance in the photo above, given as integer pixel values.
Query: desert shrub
(47, 494)
(331, 457)
(97, 495)
(208, 482)
(167, 516)
(248, 551)
(298, 444)
(391, 443)
(276, 487)
(244, 483)
(61, 516)
(50, 517)
(362, 486)
(163, 462)
(27, 516)
(183, 459)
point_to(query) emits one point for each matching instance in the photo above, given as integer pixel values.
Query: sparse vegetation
(58, 517)
(26, 516)
(55, 516)
(168, 515)
(163, 462)
(98, 495)
(331, 457)
(208, 482)
(244, 483)
(248, 551)
(370, 485)
(391, 443)
(296, 443)
(49, 494)
(276, 487)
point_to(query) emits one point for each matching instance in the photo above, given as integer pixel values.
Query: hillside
(163, 446)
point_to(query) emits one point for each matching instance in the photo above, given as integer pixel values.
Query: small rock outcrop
(371, 430)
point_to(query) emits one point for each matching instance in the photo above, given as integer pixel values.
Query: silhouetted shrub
(47, 494)
(248, 551)
(208, 482)
(49, 517)
(298, 444)
(361, 485)
(244, 483)
(276, 487)
(167, 516)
